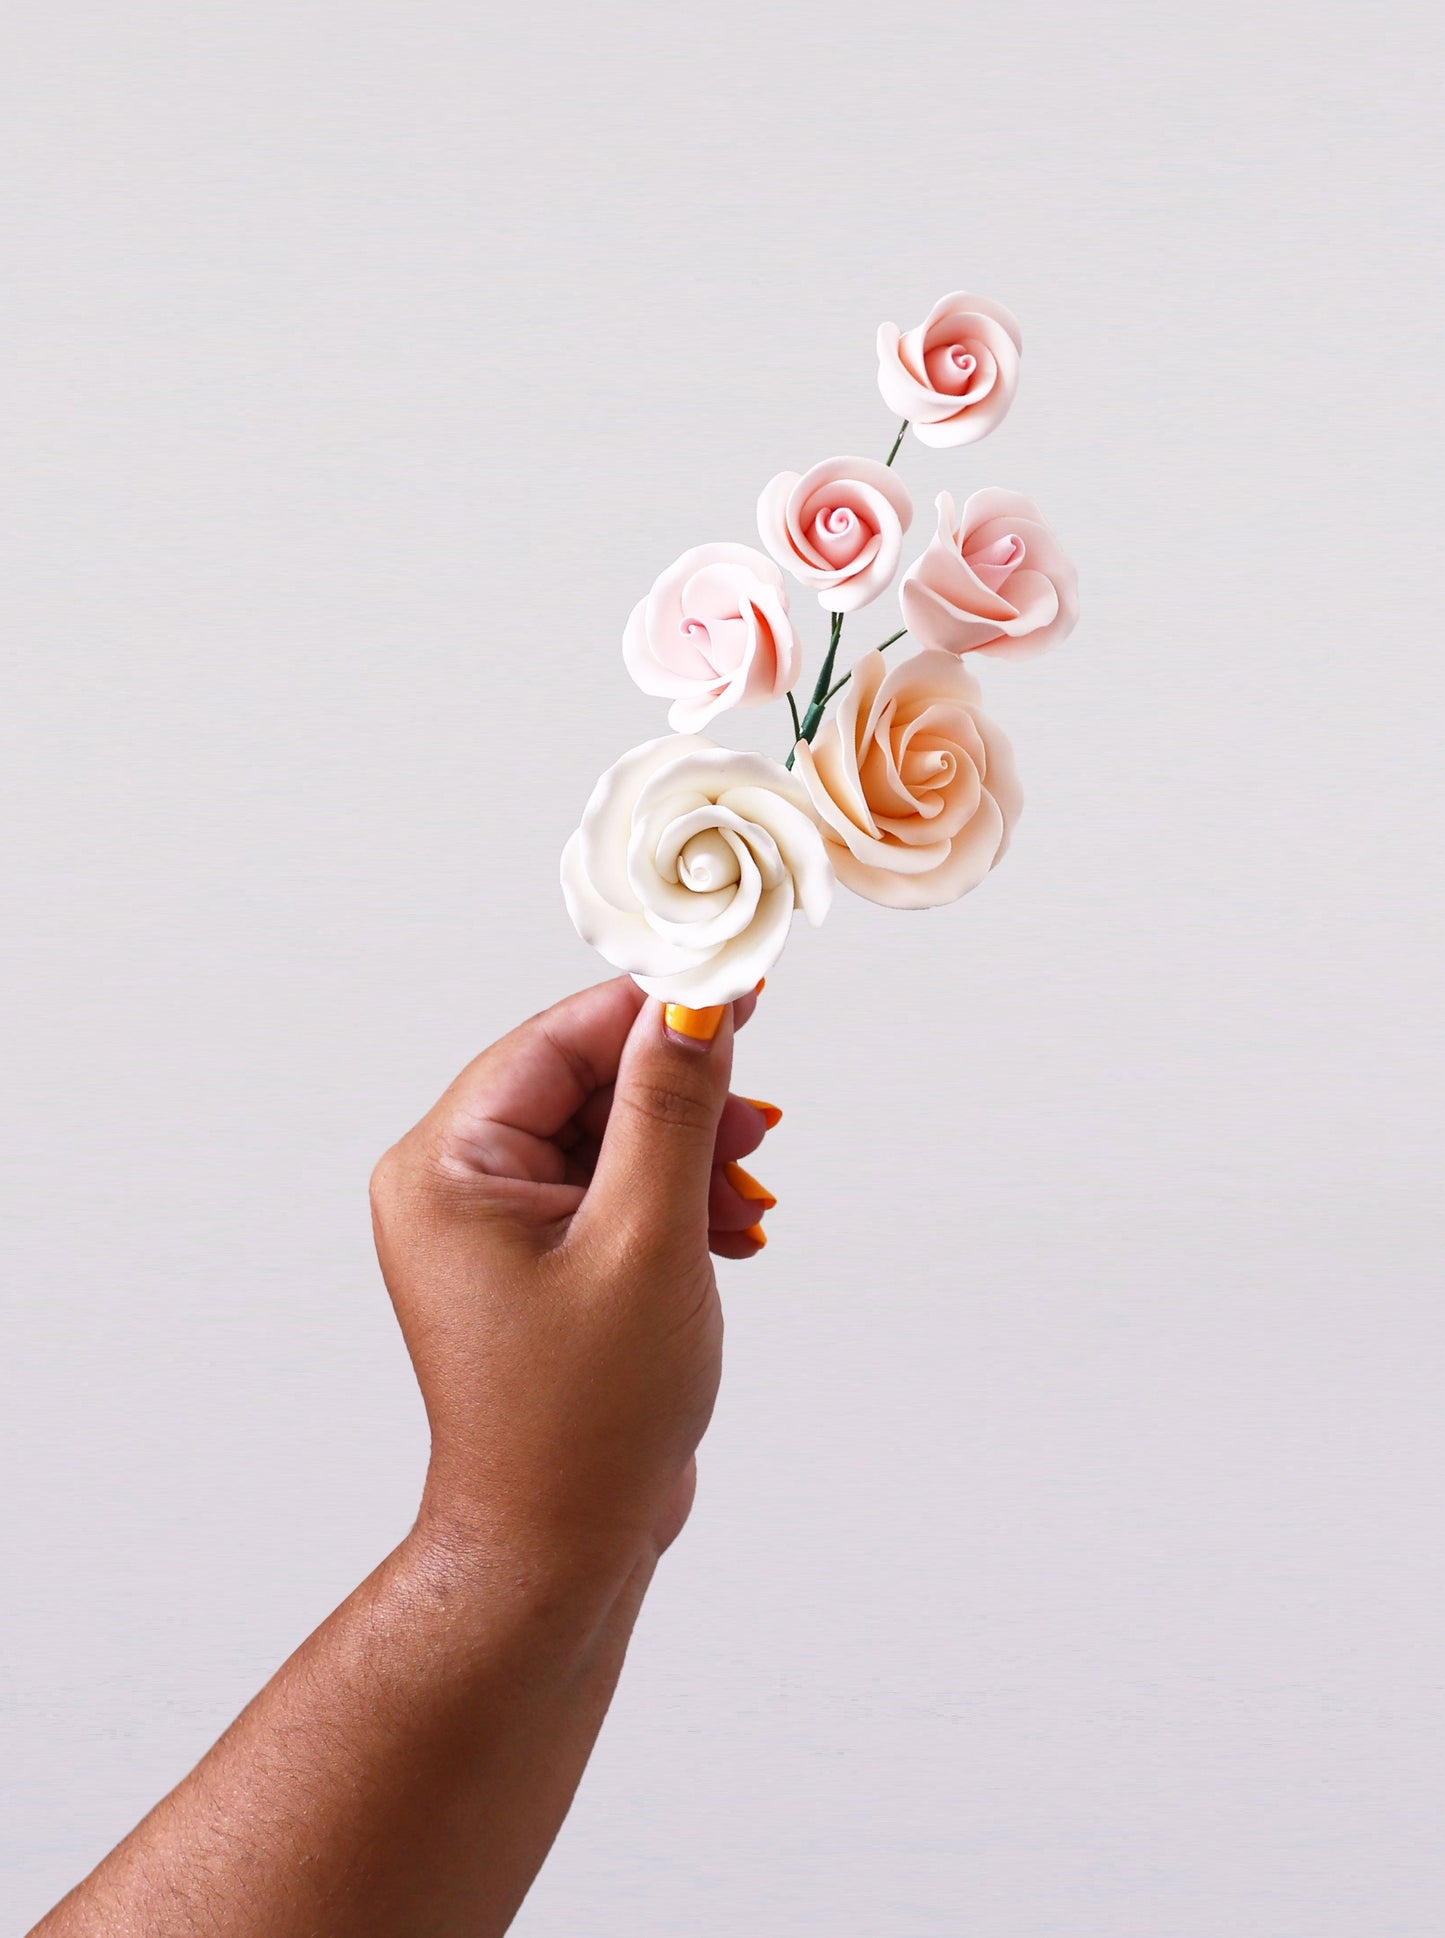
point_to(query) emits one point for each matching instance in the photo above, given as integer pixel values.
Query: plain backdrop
(1067, 1557)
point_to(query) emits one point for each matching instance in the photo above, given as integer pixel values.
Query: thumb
(655, 1165)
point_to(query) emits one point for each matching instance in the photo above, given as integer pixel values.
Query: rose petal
(621, 935)
(916, 746)
(736, 967)
(838, 527)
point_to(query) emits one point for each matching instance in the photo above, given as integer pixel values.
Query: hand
(544, 1233)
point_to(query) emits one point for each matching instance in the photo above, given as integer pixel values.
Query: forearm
(544, 1235)
(407, 1769)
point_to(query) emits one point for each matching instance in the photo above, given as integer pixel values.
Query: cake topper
(691, 858)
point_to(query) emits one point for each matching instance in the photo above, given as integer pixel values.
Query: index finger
(500, 1115)
(537, 1077)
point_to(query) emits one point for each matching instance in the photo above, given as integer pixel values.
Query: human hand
(544, 1233)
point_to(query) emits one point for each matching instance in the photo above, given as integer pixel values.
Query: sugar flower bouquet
(691, 857)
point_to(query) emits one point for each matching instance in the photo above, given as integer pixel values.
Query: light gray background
(1067, 1555)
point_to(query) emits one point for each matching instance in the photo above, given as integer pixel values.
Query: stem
(881, 647)
(823, 692)
(813, 717)
(825, 676)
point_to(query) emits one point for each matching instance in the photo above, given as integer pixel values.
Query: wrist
(563, 1588)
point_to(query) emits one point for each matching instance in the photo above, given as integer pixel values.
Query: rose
(912, 782)
(993, 581)
(838, 527)
(953, 377)
(688, 865)
(714, 632)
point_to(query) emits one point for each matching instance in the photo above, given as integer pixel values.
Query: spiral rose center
(707, 862)
(838, 534)
(951, 368)
(998, 560)
(928, 769)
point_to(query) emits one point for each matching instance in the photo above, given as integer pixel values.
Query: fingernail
(762, 984)
(747, 1186)
(757, 1234)
(770, 1112)
(697, 1025)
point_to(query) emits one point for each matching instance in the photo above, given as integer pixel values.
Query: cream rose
(912, 782)
(993, 580)
(953, 377)
(688, 865)
(839, 528)
(713, 633)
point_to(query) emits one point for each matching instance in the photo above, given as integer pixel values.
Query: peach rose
(838, 527)
(994, 580)
(953, 377)
(913, 784)
(713, 633)
(688, 865)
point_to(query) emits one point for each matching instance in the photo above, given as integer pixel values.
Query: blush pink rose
(838, 528)
(913, 785)
(713, 633)
(993, 580)
(953, 377)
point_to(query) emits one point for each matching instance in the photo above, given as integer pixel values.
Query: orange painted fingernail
(747, 1186)
(699, 1025)
(770, 1112)
(762, 984)
(757, 1234)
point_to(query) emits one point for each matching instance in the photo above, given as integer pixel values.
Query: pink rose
(913, 785)
(713, 633)
(838, 527)
(953, 377)
(996, 581)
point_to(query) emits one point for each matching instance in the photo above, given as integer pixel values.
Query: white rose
(688, 865)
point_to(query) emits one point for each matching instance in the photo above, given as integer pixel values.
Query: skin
(544, 1233)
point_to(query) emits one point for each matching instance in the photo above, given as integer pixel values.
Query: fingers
(499, 1117)
(737, 1202)
(536, 1108)
(737, 1244)
(741, 1129)
(736, 1199)
(744, 1007)
(654, 1171)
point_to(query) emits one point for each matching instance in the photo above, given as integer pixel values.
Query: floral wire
(825, 675)
(881, 647)
(816, 704)
(807, 728)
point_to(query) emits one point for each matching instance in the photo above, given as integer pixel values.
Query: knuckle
(673, 1103)
(397, 1179)
(383, 1185)
(425, 1181)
